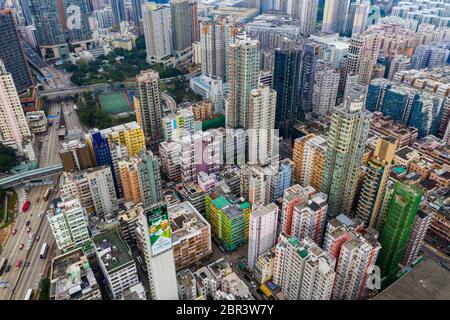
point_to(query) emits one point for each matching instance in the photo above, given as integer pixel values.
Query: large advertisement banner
(159, 229)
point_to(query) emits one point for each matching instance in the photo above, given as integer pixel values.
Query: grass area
(12, 200)
(114, 102)
(44, 293)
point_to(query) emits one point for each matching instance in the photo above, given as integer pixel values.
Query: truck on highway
(47, 194)
(26, 205)
(28, 295)
(3, 263)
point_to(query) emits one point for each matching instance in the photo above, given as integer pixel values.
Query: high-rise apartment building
(191, 235)
(262, 231)
(75, 156)
(148, 107)
(178, 125)
(116, 262)
(309, 160)
(261, 122)
(212, 40)
(355, 250)
(357, 18)
(309, 216)
(397, 229)
(306, 13)
(286, 77)
(181, 18)
(13, 123)
(68, 222)
(377, 172)
(141, 179)
(128, 134)
(281, 178)
(362, 56)
(103, 193)
(302, 269)
(325, 88)
(422, 221)
(349, 129)
(243, 76)
(193, 6)
(11, 52)
(157, 31)
(228, 216)
(298, 197)
(335, 15)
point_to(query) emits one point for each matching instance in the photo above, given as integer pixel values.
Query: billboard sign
(159, 229)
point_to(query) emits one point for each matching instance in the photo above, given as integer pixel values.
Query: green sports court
(114, 102)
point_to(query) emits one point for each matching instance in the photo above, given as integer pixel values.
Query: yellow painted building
(309, 159)
(129, 134)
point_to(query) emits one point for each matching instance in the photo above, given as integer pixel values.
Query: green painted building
(402, 210)
(228, 217)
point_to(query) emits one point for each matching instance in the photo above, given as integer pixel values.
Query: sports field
(114, 102)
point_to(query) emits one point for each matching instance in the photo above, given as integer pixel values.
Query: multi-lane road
(28, 277)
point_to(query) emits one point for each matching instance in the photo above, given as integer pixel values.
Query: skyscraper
(262, 231)
(325, 88)
(377, 173)
(306, 13)
(149, 175)
(261, 117)
(118, 9)
(286, 77)
(401, 213)
(212, 40)
(148, 107)
(157, 32)
(181, 25)
(11, 52)
(101, 185)
(348, 132)
(362, 56)
(193, 5)
(335, 15)
(78, 30)
(136, 6)
(357, 17)
(14, 130)
(49, 30)
(243, 76)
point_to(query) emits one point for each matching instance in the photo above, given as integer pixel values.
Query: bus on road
(28, 295)
(3, 263)
(43, 252)
(47, 194)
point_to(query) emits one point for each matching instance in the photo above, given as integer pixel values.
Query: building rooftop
(427, 281)
(185, 221)
(71, 276)
(113, 251)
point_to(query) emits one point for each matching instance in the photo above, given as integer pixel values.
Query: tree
(8, 158)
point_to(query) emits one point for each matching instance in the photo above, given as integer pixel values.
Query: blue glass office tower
(286, 76)
(102, 154)
(395, 104)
